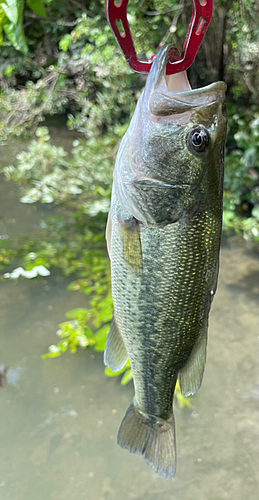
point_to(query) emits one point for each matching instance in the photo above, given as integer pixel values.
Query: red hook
(201, 16)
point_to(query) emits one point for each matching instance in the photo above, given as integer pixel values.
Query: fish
(163, 238)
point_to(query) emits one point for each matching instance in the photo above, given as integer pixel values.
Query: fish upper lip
(213, 88)
(169, 103)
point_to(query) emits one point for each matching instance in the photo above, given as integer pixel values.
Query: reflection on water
(59, 418)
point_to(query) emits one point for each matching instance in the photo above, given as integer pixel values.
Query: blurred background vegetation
(60, 58)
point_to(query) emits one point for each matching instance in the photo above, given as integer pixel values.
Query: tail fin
(150, 437)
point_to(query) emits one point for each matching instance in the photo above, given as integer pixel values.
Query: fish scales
(165, 226)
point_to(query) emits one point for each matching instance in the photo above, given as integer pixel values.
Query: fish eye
(198, 140)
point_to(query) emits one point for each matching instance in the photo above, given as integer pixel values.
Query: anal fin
(190, 376)
(115, 354)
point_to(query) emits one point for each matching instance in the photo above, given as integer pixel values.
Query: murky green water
(59, 418)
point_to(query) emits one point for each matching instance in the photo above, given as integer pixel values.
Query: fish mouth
(173, 94)
(158, 184)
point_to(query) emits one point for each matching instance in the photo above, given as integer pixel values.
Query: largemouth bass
(163, 235)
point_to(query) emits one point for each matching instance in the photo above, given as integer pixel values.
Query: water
(59, 418)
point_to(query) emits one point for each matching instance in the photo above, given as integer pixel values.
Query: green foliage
(241, 194)
(37, 7)
(106, 103)
(73, 243)
(182, 401)
(6, 255)
(84, 72)
(76, 333)
(11, 21)
(246, 227)
(242, 48)
(48, 176)
(8, 71)
(22, 111)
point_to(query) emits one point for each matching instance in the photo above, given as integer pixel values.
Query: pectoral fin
(190, 377)
(131, 243)
(115, 354)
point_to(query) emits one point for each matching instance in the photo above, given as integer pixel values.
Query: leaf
(78, 313)
(255, 212)
(109, 373)
(10, 8)
(32, 196)
(102, 333)
(100, 345)
(50, 355)
(15, 33)
(182, 401)
(54, 351)
(9, 70)
(37, 7)
(89, 334)
(65, 42)
(127, 377)
(101, 337)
